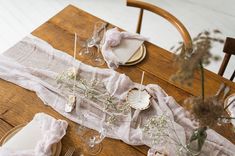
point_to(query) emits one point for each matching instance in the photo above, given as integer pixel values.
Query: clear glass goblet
(92, 139)
(98, 34)
(85, 52)
(99, 39)
(98, 59)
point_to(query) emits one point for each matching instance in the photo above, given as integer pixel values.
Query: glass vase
(197, 141)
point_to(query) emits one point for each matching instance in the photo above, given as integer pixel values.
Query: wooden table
(18, 105)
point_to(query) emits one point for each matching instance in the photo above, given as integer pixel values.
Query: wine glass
(92, 139)
(98, 34)
(98, 59)
(85, 52)
(98, 40)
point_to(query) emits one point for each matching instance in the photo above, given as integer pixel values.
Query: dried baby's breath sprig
(93, 90)
(111, 119)
(161, 131)
(71, 73)
(157, 128)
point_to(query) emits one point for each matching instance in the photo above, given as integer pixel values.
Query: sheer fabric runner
(34, 64)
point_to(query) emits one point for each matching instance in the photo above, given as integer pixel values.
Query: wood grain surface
(18, 105)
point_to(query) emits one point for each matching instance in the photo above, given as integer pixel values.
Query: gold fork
(70, 151)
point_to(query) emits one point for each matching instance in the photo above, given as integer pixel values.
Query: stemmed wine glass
(92, 139)
(86, 52)
(98, 40)
(98, 33)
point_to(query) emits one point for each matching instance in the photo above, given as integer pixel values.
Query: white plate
(231, 108)
(137, 57)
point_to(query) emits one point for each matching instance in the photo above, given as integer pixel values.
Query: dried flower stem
(229, 104)
(224, 117)
(202, 81)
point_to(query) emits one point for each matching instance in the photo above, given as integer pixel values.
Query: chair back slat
(140, 21)
(232, 77)
(224, 64)
(229, 49)
(229, 46)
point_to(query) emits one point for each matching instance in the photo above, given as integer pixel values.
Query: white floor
(19, 17)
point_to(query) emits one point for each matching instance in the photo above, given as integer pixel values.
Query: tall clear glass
(92, 139)
(98, 41)
(85, 52)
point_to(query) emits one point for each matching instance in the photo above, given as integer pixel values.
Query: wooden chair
(169, 17)
(229, 49)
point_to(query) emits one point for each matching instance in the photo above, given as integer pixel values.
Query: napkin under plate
(119, 47)
(36, 138)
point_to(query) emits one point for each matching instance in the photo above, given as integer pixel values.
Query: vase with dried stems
(206, 111)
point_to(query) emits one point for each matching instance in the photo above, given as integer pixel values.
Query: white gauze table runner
(34, 64)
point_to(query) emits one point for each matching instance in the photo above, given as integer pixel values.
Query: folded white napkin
(36, 138)
(120, 55)
(126, 49)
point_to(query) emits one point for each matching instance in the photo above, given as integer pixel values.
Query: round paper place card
(138, 99)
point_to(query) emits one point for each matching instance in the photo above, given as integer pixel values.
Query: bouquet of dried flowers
(206, 110)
